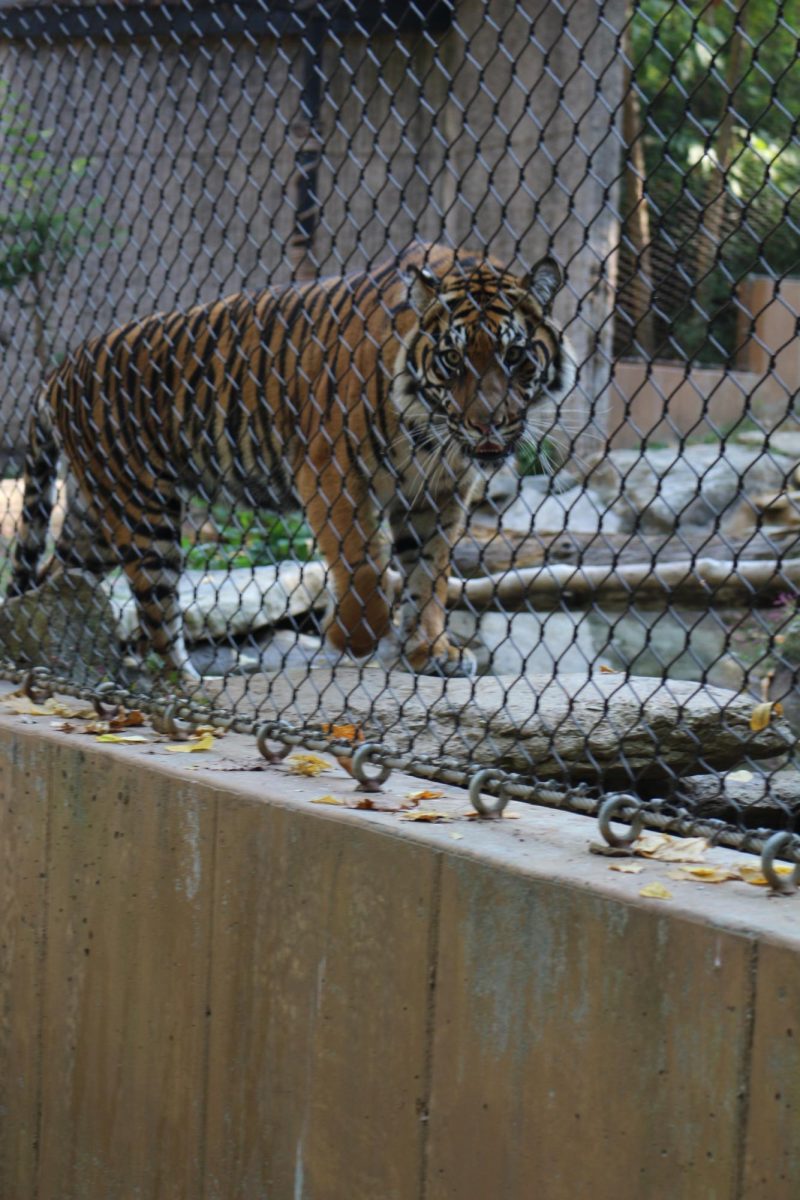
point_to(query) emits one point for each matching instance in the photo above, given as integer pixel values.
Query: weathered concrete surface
(577, 727)
(212, 988)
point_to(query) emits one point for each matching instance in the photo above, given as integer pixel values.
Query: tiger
(375, 401)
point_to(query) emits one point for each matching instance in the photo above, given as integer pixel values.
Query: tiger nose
(479, 427)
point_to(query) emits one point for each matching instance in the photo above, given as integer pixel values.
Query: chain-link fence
(416, 379)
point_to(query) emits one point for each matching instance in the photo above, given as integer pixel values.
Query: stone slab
(576, 727)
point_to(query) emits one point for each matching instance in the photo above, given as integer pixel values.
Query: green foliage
(39, 233)
(248, 539)
(688, 58)
(543, 459)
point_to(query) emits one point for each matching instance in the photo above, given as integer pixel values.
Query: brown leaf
(126, 719)
(425, 794)
(345, 733)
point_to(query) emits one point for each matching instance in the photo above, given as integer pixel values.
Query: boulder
(657, 490)
(603, 729)
(780, 441)
(68, 624)
(536, 508)
(219, 604)
(747, 797)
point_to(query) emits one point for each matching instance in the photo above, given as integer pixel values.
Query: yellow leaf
(205, 742)
(754, 876)
(122, 737)
(425, 794)
(307, 764)
(329, 800)
(627, 868)
(703, 874)
(426, 816)
(664, 848)
(762, 715)
(655, 891)
(604, 670)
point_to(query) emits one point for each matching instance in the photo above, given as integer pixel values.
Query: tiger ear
(543, 281)
(423, 287)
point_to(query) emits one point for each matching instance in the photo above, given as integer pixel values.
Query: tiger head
(482, 357)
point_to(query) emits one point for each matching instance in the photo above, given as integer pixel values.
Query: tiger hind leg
(149, 547)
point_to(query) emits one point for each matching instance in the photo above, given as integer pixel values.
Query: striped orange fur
(374, 401)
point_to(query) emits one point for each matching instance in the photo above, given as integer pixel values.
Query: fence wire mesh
(416, 375)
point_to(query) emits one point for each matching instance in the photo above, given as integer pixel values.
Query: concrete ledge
(213, 989)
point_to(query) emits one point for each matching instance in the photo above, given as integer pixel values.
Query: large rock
(603, 729)
(658, 490)
(217, 604)
(536, 508)
(68, 625)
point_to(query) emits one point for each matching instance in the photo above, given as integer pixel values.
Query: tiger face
(483, 355)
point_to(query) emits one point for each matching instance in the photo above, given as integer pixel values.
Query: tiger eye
(514, 356)
(451, 359)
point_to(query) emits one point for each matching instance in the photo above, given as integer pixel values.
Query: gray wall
(193, 151)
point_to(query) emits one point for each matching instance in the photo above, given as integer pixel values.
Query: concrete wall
(667, 401)
(211, 988)
(496, 134)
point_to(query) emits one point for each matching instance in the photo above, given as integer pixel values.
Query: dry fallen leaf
(703, 874)
(627, 868)
(329, 800)
(665, 848)
(126, 737)
(425, 794)
(204, 742)
(429, 816)
(755, 876)
(347, 733)
(655, 891)
(604, 670)
(307, 764)
(125, 719)
(762, 715)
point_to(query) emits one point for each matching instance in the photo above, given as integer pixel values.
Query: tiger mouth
(490, 450)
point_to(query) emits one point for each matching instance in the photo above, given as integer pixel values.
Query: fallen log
(694, 581)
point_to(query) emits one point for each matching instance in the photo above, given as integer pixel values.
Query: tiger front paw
(442, 660)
